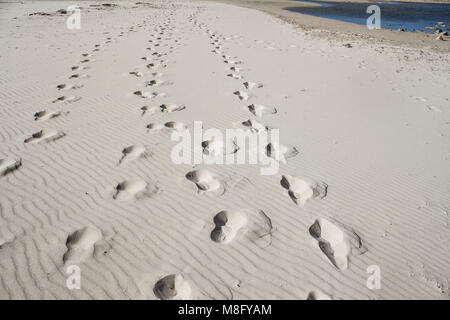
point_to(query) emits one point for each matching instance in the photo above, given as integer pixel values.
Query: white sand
(371, 123)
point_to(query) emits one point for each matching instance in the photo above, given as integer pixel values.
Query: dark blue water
(394, 15)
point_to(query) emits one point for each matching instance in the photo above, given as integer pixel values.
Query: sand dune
(86, 175)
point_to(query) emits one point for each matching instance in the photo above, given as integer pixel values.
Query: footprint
(81, 245)
(251, 85)
(259, 110)
(171, 107)
(128, 190)
(281, 151)
(154, 83)
(155, 127)
(45, 136)
(136, 73)
(147, 94)
(44, 115)
(172, 287)
(255, 126)
(332, 241)
(241, 95)
(80, 68)
(227, 225)
(177, 126)
(66, 99)
(132, 153)
(148, 110)
(141, 94)
(204, 180)
(228, 61)
(66, 87)
(420, 98)
(301, 190)
(235, 69)
(213, 148)
(318, 295)
(433, 108)
(235, 76)
(79, 76)
(9, 165)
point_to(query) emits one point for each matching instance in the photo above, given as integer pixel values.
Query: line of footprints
(334, 239)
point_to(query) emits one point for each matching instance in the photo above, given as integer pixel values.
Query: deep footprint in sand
(44, 115)
(259, 110)
(9, 165)
(171, 107)
(155, 127)
(69, 87)
(204, 180)
(67, 99)
(229, 61)
(177, 126)
(172, 287)
(79, 76)
(80, 245)
(147, 94)
(136, 73)
(228, 224)
(332, 241)
(213, 148)
(318, 295)
(254, 126)
(133, 152)
(241, 95)
(45, 136)
(74, 68)
(281, 152)
(141, 94)
(129, 190)
(234, 76)
(302, 190)
(251, 85)
(146, 110)
(155, 83)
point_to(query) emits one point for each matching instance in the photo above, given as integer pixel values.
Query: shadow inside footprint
(80, 245)
(44, 115)
(227, 225)
(301, 190)
(281, 152)
(336, 241)
(204, 180)
(260, 110)
(129, 190)
(172, 287)
(44, 136)
(9, 165)
(132, 153)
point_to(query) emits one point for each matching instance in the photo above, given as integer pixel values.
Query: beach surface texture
(93, 204)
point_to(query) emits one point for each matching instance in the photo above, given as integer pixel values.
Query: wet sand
(334, 29)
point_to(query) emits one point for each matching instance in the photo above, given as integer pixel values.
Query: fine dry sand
(87, 178)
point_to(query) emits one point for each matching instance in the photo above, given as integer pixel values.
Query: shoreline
(346, 31)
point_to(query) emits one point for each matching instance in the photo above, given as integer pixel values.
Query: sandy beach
(89, 184)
